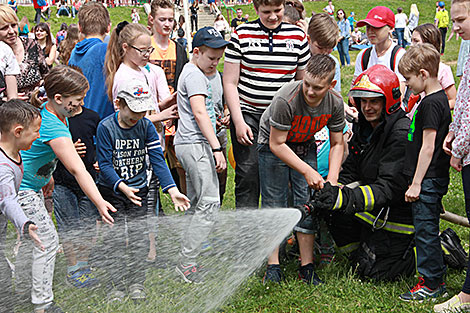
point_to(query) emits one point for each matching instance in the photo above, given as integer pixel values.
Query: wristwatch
(219, 149)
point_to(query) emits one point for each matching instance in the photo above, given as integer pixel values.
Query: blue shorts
(73, 210)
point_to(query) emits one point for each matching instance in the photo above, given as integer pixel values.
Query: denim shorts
(73, 210)
(275, 177)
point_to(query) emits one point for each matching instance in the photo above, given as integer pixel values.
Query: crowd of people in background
(126, 100)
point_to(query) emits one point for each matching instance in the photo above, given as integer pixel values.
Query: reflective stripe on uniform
(350, 247)
(390, 226)
(369, 200)
(339, 200)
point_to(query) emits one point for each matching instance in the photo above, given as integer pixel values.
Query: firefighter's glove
(335, 198)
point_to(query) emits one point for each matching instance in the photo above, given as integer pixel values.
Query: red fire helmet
(378, 81)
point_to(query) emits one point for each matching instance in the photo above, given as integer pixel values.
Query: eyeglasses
(143, 52)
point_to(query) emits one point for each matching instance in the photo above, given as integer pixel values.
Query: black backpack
(366, 57)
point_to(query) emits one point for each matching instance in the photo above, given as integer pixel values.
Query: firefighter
(368, 216)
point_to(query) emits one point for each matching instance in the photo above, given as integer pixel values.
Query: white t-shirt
(8, 63)
(400, 20)
(384, 60)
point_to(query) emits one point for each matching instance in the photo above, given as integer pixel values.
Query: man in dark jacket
(369, 217)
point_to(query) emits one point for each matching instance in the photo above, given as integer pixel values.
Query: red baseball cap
(378, 17)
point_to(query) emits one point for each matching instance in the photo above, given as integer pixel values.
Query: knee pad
(454, 254)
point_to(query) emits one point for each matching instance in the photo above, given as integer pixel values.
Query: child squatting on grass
(19, 127)
(124, 139)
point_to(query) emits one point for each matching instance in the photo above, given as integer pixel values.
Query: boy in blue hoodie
(89, 55)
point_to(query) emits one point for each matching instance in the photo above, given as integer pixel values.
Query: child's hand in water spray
(130, 193)
(180, 201)
(104, 209)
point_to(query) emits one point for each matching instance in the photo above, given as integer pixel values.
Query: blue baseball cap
(209, 36)
(441, 4)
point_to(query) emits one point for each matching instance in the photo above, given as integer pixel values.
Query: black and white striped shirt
(268, 58)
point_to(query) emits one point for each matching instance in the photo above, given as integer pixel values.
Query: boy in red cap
(379, 23)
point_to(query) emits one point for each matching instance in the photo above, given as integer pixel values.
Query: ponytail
(123, 33)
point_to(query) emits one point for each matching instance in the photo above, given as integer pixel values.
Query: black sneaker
(307, 275)
(454, 254)
(190, 273)
(273, 274)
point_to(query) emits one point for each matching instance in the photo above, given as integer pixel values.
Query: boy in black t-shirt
(427, 166)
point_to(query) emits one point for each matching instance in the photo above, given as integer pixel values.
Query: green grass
(343, 292)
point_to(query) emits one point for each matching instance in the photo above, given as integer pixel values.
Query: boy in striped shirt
(263, 55)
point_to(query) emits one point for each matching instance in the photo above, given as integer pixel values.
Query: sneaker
(190, 273)
(136, 292)
(307, 275)
(452, 305)
(422, 293)
(82, 278)
(454, 254)
(51, 308)
(273, 274)
(116, 296)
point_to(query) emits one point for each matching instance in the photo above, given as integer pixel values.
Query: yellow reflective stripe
(348, 248)
(339, 200)
(446, 252)
(369, 200)
(390, 226)
(416, 261)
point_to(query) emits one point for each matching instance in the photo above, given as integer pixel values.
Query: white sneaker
(136, 292)
(116, 296)
(452, 305)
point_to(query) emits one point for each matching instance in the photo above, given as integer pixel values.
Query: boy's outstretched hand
(103, 208)
(34, 236)
(130, 193)
(180, 201)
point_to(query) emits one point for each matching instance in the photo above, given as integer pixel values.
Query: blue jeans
(343, 50)
(73, 210)
(275, 177)
(37, 16)
(63, 12)
(400, 37)
(426, 211)
(247, 190)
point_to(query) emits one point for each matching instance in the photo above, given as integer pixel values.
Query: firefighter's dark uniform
(379, 239)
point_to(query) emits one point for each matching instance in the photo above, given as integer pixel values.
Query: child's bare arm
(64, 149)
(231, 78)
(336, 156)
(198, 106)
(12, 87)
(277, 144)
(424, 159)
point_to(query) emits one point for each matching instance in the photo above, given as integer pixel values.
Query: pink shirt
(155, 78)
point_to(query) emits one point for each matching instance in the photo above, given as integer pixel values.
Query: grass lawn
(342, 292)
